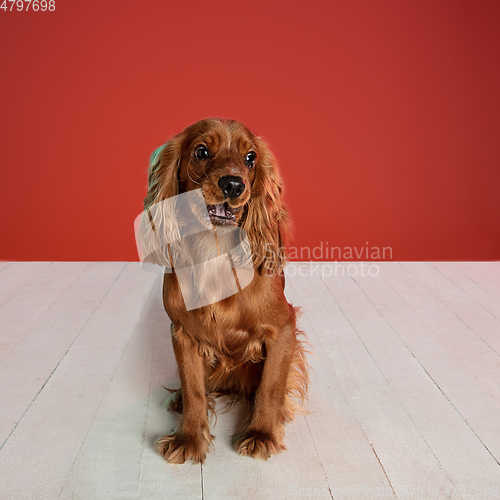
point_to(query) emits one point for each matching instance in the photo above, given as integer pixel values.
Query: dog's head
(238, 177)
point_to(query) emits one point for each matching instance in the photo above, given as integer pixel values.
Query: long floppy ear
(163, 171)
(266, 220)
(158, 224)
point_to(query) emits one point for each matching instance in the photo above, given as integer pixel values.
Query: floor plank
(4, 265)
(27, 291)
(468, 286)
(484, 275)
(17, 275)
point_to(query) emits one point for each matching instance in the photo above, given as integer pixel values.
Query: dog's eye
(201, 153)
(250, 159)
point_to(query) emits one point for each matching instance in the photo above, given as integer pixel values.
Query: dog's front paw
(259, 444)
(176, 448)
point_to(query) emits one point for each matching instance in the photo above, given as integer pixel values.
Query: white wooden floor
(405, 394)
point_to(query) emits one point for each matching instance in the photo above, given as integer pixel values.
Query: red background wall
(384, 115)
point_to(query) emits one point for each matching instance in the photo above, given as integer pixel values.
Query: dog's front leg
(193, 439)
(263, 433)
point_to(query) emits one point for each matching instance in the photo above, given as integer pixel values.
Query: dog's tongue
(220, 210)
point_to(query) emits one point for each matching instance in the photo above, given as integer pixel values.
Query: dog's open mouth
(222, 214)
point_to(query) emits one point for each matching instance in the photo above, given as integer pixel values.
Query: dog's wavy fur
(246, 346)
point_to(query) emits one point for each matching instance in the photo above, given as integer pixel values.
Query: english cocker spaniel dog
(233, 331)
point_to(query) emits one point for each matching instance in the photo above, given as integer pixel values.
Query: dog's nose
(231, 186)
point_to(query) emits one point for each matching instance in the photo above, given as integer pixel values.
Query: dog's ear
(266, 219)
(158, 225)
(163, 172)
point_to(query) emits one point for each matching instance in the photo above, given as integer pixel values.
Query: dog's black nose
(231, 186)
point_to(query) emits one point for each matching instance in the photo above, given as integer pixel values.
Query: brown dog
(246, 345)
